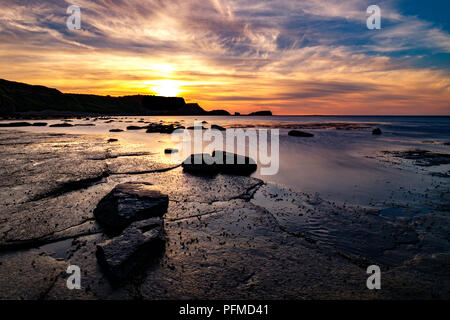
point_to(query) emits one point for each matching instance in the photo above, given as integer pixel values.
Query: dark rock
(377, 131)
(193, 109)
(201, 163)
(219, 113)
(40, 124)
(219, 162)
(16, 124)
(161, 128)
(261, 113)
(116, 130)
(61, 125)
(112, 140)
(298, 133)
(124, 255)
(205, 122)
(237, 114)
(170, 151)
(231, 163)
(130, 202)
(197, 128)
(423, 158)
(217, 127)
(135, 128)
(447, 143)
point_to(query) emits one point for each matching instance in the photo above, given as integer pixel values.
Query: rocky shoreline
(224, 236)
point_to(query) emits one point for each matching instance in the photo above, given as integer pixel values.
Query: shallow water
(340, 165)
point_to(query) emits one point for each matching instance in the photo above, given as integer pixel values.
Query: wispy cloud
(292, 56)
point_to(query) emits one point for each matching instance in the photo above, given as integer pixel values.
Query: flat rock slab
(15, 124)
(129, 202)
(358, 234)
(423, 158)
(123, 255)
(27, 275)
(226, 236)
(298, 133)
(61, 125)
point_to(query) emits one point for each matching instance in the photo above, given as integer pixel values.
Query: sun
(166, 88)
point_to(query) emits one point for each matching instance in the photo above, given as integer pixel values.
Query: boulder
(130, 202)
(112, 140)
(298, 133)
(161, 128)
(116, 130)
(232, 163)
(170, 151)
(124, 255)
(219, 162)
(217, 127)
(200, 163)
(135, 128)
(377, 132)
(40, 124)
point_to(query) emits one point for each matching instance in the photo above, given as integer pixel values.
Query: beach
(341, 201)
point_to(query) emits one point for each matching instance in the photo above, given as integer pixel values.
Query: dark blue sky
(436, 11)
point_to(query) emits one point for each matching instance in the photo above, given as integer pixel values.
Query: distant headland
(21, 99)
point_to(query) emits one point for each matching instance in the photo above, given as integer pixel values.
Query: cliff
(19, 98)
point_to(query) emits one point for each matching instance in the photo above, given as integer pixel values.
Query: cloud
(246, 53)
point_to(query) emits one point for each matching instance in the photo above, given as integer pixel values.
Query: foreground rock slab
(423, 158)
(129, 202)
(124, 255)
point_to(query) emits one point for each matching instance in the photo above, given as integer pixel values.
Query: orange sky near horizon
(228, 60)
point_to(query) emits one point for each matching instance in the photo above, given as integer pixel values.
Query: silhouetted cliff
(18, 98)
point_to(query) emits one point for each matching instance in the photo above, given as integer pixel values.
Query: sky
(291, 57)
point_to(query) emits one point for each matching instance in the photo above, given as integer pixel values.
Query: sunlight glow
(166, 88)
